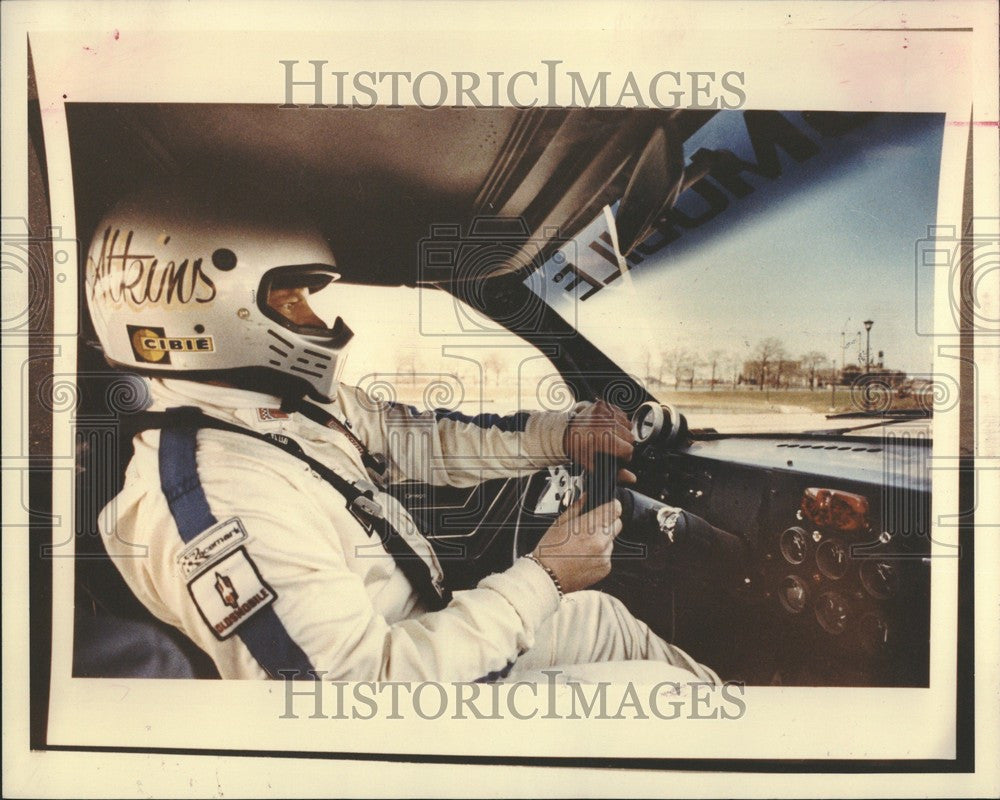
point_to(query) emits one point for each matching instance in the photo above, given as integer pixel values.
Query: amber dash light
(835, 510)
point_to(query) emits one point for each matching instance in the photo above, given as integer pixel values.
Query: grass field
(752, 400)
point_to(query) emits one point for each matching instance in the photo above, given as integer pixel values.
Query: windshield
(785, 286)
(428, 349)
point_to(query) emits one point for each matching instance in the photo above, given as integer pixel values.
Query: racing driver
(256, 499)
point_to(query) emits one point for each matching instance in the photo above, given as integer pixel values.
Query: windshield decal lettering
(714, 178)
(763, 133)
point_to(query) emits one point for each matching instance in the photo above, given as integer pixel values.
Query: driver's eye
(293, 305)
(283, 299)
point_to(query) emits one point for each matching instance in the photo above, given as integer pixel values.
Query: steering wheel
(601, 482)
(644, 518)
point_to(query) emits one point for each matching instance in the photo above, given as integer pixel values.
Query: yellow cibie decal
(153, 347)
(139, 338)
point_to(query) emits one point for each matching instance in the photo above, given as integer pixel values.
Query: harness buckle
(366, 502)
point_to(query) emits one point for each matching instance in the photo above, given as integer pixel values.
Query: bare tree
(406, 364)
(767, 353)
(664, 366)
(714, 359)
(811, 362)
(733, 364)
(647, 364)
(493, 363)
(678, 363)
(690, 368)
(786, 370)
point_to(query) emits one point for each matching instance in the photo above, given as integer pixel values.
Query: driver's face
(293, 305)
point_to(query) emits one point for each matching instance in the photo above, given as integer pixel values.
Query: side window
(426, 348)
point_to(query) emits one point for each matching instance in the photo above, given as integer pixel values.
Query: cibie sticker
(230, 592)
(152, 345)
(210, 545)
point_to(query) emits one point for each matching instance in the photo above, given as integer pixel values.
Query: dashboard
(833, 584)
(836, 588)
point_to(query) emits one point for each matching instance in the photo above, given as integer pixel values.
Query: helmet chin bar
(317, 363)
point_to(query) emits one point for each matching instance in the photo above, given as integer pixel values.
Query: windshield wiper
(884, 418)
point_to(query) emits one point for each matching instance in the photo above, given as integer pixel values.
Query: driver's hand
(600, 428)
(577, 548)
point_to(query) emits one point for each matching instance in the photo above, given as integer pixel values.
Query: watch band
(555, 580)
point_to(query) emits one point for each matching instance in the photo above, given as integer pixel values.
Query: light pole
(868, 344)
(833, 383)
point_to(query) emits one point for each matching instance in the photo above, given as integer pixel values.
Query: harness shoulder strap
(194, 418)
(359, 496)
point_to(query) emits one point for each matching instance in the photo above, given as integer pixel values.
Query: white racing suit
(245, 549)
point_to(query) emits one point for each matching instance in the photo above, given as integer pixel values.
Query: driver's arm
(333, 599)
(448, 447)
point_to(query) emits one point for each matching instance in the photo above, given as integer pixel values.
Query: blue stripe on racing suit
(263, 634)
(496, 675)
(513, 423)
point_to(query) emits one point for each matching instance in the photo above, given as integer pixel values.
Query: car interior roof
(376, 179)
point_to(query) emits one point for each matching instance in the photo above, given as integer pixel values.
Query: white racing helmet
(178, 285)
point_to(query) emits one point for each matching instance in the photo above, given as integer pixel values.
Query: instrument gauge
(793, 594)
(647, 422)
(832, 612)
(793, 544)
(880, 578)
(832, 559)
(659, 423)
(875, 634)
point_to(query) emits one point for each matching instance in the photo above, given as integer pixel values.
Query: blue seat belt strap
(263, 634)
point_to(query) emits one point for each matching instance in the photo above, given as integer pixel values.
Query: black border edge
(40, 350)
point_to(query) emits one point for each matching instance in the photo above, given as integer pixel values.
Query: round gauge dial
(874, 633)
(832, 612)
(793, 545)
(880, 578)
(647, 422)
(832, 559)
(793, 594)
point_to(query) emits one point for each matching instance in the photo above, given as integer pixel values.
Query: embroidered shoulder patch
(230, 592)
(211, 544)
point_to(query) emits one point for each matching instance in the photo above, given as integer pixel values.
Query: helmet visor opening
(300, 298)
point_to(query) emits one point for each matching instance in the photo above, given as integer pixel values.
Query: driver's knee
(613, 632)
(616, 634)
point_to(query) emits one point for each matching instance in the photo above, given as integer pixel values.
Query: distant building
(852, 373)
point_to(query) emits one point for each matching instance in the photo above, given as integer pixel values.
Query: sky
(827, 245)
(824, 247)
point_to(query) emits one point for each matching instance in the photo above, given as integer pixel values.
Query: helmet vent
(306, 372)
(317, 365)
(314, 354)
(285, 342)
